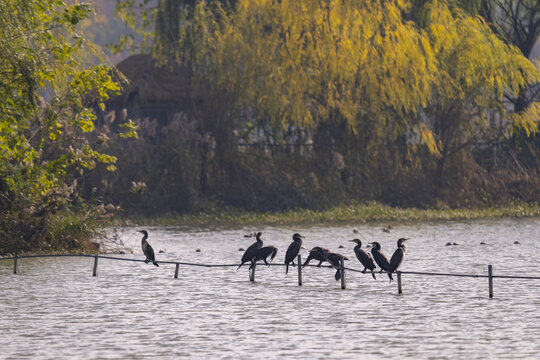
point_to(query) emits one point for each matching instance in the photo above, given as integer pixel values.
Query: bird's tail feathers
(390, 277)
(338, 274)
(274, 252)
(155, 263)
(373, 274)
(286, 268)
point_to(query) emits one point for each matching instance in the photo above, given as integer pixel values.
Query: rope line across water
(272, 264)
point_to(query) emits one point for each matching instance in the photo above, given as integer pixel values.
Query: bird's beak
(351, 240)
(302, 247)
(140, 231)
(370, 244)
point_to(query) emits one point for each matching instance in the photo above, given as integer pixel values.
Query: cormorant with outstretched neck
(398, 255)
(292, 251)
(335, 261)
(380, 259)
(147, 249)
(316, 253)
(262, 254)
(364, 257)
(250, 251)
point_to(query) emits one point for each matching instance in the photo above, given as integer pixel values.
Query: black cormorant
(380, 259)
(316, 253)
(364, 257)
(263, 253)
(397, 257)
(147, 249)
(335, 261)
(250, 251)
(292, 251)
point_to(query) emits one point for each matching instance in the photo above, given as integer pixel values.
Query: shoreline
(364, 213)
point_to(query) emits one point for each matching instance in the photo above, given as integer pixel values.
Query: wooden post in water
(252, 273)
(490, 277)
(95, 264)
(342, 271)
(176, 271)
(399, 290)
(299, 270)
(15, 263)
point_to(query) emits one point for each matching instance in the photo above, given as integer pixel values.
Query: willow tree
(46, 94)
(475, 69)
(399, 82)
(292, 68)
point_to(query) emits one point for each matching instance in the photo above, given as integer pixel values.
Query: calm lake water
(55, 309)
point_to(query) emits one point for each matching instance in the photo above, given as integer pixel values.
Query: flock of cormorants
(256, 252)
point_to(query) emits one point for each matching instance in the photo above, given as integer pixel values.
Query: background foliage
(262, 105)
(47, 97)
(309, 104)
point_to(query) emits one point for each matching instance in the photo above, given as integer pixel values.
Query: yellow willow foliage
(474, 70)
(528, 121)
(301, 62)
(427, 138)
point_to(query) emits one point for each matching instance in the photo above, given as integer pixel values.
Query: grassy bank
(371, 212)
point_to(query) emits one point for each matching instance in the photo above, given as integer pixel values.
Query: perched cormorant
(262, 254)
(250, 251)
(316, 253)
(380, 259)
(364, 257)
(147, 249)
(397, 257)
(292, 251)
(335, 261)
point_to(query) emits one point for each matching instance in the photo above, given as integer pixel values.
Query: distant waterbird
(364, 257)
(380, 259)
(147, 250)
(250, 251)
(292, 251)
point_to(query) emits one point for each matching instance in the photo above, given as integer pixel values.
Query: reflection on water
(56, 309)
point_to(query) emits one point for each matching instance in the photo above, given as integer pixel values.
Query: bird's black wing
(381, 260)
(292, 251)
(396, 260)
(250, 252)
(365, 259)
(150, 253)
